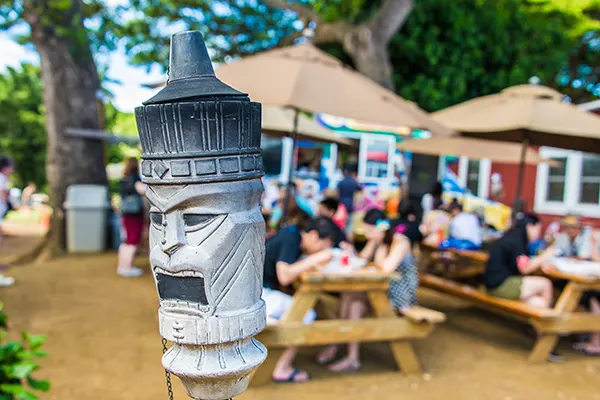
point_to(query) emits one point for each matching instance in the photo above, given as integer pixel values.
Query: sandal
(347, 368)
(292, 377)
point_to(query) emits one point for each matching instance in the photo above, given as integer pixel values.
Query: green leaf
(36, 341)
(26, 396)
(12, 388)
(22, 369)
(42, 385)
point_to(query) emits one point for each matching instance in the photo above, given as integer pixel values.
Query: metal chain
(167, 373)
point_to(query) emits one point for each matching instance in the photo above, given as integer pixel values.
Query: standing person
(592, 301)
(432, 200)
(132, 218)
(346, 189)
(390, 250)
(6, 170)
(283, 265)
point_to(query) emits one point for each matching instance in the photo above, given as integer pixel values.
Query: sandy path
(103, 344)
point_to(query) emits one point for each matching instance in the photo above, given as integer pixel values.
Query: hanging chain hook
(167, 373)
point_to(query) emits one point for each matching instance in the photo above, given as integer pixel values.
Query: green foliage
(122, 124)
(22, 127)
(449, 52)
(18, 362)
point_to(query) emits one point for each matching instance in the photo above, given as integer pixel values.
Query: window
(557, 176)
(571, 186)
(589, 188)
(375, 157)
(472, 174)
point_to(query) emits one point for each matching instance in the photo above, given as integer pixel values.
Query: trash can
(86, 209)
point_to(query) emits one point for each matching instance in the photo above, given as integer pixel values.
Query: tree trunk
(370, 55)
(70, 84)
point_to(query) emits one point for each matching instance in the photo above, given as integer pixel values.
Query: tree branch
(324, 33)
(304, 12)
(389, 19)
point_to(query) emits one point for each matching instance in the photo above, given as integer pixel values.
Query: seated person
(283, 266)
(407, 224)
(434, 226)
(464, 230)
(592, 301)
(294, 202)
(389, 251)
(573, 239)
(508, 267)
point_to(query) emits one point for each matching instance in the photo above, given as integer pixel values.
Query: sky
(127, 95)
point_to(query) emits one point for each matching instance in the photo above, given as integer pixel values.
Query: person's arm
(595, 247)
(288, 273)
(369, 250)
(140, 188)
(399, 249)
(538, 262)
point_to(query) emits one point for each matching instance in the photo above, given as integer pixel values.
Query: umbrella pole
(294, 132)
(518, 206)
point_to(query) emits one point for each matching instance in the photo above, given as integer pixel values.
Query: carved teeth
(180, 274)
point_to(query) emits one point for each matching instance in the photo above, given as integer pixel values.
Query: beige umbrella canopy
(472, 148)
(279, 122)
(306, 78)
(527, 114)
(531, 113)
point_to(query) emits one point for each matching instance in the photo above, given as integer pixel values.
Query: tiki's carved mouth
(183, 289)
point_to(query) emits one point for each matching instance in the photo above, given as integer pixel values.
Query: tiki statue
(202, 162)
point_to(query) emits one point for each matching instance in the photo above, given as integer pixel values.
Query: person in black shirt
(508, 268)
(283, 265)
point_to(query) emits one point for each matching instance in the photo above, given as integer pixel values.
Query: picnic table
(562, 319)
(384, 326)
(568, 321)
(452, 263)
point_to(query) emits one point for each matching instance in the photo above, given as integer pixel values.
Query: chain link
(167, 373)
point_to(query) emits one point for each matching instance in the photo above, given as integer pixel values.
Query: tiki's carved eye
(156, 218)
(194, 222)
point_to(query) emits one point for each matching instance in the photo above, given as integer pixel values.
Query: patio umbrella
(527, 114)
(279, 122)
(472, 148)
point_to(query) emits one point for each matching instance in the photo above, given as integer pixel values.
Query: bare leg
(284, 369)
(328, 353)
(351, 362)
(537, 291)
(593, 346)
(126, 256)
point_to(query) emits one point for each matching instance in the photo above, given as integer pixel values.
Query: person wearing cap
(573, 239)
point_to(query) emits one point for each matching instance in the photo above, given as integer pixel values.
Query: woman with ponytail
(389, 250)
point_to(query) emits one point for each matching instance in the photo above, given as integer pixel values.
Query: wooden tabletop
(367, 274)
(556, 274)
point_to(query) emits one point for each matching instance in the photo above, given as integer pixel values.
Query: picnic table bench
(549, 323)
(385, 326)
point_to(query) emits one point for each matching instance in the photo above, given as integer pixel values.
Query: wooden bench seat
(480, 298)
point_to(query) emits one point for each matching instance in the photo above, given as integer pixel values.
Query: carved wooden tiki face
(202, 163)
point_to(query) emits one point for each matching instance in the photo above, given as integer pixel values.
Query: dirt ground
(104, 344)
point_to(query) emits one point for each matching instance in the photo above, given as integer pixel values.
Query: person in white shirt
(6, 170)
(432, 200)
(573, 238)
(464, 230)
